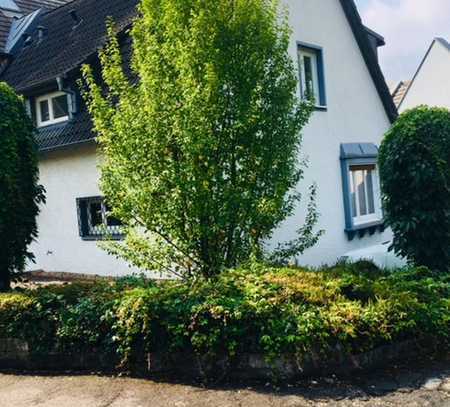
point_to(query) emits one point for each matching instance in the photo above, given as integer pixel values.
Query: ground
(414, 384)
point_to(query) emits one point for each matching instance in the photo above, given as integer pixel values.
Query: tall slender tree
(201, 142)
(20, 193)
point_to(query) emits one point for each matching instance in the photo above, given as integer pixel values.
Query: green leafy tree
(201, 145)
(20, 193)
(415, 174)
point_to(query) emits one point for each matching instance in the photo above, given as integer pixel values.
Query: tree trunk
(5, 280)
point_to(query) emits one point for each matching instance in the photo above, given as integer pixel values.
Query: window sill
(321, 108)
(365, 229)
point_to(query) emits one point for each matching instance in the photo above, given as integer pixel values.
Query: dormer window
(52, 108)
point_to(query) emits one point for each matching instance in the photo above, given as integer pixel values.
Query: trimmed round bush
(20, 193)
(415, 174)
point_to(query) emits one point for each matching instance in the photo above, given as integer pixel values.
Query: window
(361, 187)
(362, 190)
(52, 108)
(94, 220)
(312, 82)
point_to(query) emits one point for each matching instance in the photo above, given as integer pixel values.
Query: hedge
(257, 309)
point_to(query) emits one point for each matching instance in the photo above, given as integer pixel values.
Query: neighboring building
(399, 91)
(431, 84)
(337, 62)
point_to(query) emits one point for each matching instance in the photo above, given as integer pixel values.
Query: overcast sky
(408, 26)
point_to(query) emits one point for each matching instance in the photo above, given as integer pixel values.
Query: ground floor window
(361, 187)
(95, 220)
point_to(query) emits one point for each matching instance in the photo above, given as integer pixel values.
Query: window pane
(95, 214)
(309, 81)
(60, 107)
(361, 188)
(370, 192)
(44, 110)
(353, 194)
(362, 192)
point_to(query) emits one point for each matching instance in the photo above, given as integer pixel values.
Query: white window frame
(49, 97)
(361, 220)
(315, 74)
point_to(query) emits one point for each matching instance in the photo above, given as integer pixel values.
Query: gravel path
(421, 384)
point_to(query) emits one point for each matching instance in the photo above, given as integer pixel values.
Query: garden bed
(256, 321)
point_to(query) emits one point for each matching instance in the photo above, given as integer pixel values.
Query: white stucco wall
(66, 176)
(355, 114)
(431, 86)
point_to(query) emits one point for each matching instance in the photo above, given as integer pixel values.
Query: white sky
(409, 27)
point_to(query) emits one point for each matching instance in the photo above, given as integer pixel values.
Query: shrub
(213, 122)
(20, 193)
(256, 309)
(415, 173)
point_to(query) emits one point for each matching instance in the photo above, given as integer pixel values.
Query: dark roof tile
(25, 7)
(65, 47)
(76, 131)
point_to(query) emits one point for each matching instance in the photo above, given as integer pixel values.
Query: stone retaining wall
(16, 354)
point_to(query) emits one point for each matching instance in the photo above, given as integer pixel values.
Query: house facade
(430, 85)
(337, 61)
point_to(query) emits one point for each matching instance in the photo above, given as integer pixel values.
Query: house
(430, 84)
(337, 60)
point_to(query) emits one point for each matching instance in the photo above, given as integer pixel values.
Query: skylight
(9, 5)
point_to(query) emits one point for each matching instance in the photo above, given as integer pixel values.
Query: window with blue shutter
(361, 189)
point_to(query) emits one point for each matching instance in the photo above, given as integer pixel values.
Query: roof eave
(369, 56)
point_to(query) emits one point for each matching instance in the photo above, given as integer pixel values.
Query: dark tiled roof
(76, 131)
(5, 24)
(25, 7)
(65, 47)
(63, 50)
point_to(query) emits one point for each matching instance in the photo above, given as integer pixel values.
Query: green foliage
(256, 309)
(20, 193)
(415, 173)
(201, 147)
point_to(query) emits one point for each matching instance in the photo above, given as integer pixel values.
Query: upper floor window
(312, 80)
(52, 108)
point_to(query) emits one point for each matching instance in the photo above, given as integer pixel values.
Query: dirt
(418, 383)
